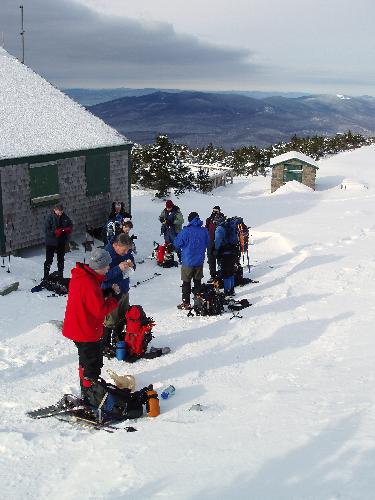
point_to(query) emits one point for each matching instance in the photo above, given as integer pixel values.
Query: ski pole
(85, 245)
(3, 265)
(248, 260)
(10, 245)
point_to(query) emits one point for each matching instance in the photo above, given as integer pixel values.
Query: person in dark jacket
(116, 219)
(211, 225)
(171, 219)
(58, 228)
(226, 256)
(121, 265)
(85, 311)
(192, 241)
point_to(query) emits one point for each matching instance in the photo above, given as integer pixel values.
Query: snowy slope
(287, 391)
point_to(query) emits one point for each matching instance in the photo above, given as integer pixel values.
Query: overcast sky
(315, 46)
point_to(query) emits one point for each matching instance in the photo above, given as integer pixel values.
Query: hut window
(44, 182)
(292, 172)
(98, 174)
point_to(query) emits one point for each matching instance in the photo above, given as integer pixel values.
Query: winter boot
(184, 306)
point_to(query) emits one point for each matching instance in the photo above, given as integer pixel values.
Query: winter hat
(192, 216)
(169, 204)
(99, 259)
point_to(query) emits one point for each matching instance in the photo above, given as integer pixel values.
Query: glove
(59, 232)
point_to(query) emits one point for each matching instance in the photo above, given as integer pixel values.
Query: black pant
(186, 289)
(90, 356)
(50, 251)
(211, 259)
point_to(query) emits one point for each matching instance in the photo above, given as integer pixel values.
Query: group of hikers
(98, 297)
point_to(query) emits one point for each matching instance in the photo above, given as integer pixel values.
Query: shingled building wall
(28, 220)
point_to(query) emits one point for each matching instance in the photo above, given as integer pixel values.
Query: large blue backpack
(231, 233)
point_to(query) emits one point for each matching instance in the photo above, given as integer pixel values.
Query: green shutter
(98, 174)
(44, 182)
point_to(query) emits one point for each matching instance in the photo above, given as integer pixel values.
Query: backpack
(115, 402)
(56, 284)
(236, 233)
(164, 255)
(138, 332)
(208, 301)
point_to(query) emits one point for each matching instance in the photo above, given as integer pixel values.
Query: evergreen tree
(203, 179)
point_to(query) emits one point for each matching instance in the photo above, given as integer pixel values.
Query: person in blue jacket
(122, 262)
(192, 241)
(226, 256)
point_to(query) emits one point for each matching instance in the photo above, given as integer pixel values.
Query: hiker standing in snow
(172, 220)
(122, 261)
(85, 312)
(225, 251)
(58, 228)
(192, 241)
(211, 224)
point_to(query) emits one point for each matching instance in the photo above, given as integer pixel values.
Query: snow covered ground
(288, 391)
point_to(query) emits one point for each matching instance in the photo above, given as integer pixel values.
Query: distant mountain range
(90, 97)
(231, 120)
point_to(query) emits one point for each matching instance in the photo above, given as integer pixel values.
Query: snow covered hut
(52, 149)
(293, 166)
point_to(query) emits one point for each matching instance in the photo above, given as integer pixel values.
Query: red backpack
(138, 331)
(164, 255)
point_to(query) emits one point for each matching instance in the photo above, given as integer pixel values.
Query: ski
(145, 280)
(68, 401)
(84, 417)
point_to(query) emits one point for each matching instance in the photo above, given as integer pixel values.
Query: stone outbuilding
(293, 166)
(53, 150)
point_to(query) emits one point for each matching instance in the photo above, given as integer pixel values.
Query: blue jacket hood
(196, 222)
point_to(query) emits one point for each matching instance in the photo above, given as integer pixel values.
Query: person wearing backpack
(211, 224)
(122, 262)
(58, 228)
(192, 241)
(226, 249)
(116, 219)
(85, 312)
(171, 219)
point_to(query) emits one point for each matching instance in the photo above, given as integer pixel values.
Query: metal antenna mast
(22, 36)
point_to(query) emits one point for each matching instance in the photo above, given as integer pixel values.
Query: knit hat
(169, 204)
(192, 216)
(99, 259)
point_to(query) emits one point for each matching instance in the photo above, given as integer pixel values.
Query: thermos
(168, 392)
(121, 350)
(152, 403)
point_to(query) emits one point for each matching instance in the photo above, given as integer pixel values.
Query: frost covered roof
(293, 155)
(36, 118)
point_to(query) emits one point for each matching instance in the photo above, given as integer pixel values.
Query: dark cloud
(72, 45)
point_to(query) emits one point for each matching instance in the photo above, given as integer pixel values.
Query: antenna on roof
(22, 36)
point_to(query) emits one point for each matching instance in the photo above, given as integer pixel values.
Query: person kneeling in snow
(85, 312)
(192, 241)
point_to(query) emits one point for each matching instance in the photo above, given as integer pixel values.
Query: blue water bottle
(121, 350)
(168, 392)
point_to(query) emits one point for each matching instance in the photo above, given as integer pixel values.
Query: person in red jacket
(85, 312)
